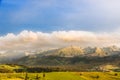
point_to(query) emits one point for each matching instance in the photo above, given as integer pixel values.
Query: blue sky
(59, 15)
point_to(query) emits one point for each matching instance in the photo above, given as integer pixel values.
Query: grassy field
(62, 76)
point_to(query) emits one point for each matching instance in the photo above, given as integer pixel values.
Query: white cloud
(28, 40)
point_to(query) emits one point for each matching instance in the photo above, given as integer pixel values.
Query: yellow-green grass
(48, 76)
(10, 68)
(62, 76)
(99, 75)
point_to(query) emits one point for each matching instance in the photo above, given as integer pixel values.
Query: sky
(58, 15)
(37, 23)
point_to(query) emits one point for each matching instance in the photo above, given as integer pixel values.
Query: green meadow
(61, 76)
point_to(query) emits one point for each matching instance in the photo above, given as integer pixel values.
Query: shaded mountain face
(78, 63)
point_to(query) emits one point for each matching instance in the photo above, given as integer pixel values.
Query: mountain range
(88, 58)
(73, 51)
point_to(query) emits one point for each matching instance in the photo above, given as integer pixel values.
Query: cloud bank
(29, 40)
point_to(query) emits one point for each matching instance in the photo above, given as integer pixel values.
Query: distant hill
(10, 68)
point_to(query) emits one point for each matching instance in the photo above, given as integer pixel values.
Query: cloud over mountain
(56, 39)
